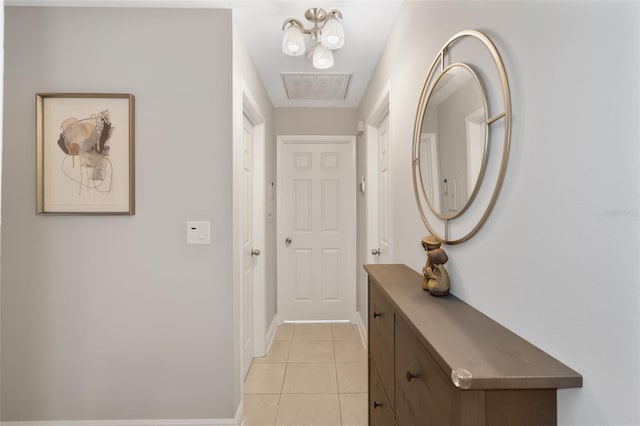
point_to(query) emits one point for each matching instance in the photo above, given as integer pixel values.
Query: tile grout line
(286, 365)
(335, 368)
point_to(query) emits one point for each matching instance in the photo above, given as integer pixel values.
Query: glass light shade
(293, 42)
(332, 34)
(322, 58)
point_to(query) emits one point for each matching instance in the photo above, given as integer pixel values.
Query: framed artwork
(85, 153)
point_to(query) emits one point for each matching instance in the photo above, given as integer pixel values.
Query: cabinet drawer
(381, 320)
(380, 413)
(423, 396)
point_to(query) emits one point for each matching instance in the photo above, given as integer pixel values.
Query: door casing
(251, 110)
(380, 113)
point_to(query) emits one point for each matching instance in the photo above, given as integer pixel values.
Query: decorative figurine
(435, 277)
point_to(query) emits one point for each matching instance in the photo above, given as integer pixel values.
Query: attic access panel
(325, 86)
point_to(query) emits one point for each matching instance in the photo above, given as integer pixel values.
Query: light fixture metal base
(315, 15)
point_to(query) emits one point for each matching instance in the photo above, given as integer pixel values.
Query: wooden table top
(459, 336)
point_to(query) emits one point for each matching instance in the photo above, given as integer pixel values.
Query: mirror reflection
(453, 141)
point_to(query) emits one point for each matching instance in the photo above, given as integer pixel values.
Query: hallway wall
(557, 260)
(115, 317)
(315, 121)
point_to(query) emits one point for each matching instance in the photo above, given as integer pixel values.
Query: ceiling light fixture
(327, 32)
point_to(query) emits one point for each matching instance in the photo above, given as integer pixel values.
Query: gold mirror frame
(430, 81)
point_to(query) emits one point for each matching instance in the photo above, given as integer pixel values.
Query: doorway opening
(316, 236)
(252, 233)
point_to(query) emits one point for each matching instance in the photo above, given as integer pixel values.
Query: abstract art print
(85, 153)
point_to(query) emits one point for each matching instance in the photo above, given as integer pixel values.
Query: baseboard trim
(160, 422)
(363, 330)
(271, 332)
(237, 421)
(317, 322)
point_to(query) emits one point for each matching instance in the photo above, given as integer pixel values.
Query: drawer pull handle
(411, 376)
(377, 314)
(376, 404)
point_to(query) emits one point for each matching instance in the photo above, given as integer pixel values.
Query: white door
(384, 183)
(316, 228)
(476, 131)
(431, 172)
(247, 246)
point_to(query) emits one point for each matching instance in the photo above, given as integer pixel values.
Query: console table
(436, 361)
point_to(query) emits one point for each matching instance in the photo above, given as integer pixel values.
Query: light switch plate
(198, 232)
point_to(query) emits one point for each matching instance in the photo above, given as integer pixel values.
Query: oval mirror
(453, 141)
(452, 132)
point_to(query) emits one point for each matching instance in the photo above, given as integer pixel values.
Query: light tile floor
(313, 375)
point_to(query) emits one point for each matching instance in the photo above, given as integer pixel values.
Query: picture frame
(85, 162)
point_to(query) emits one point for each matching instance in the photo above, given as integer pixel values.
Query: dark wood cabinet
(440, 362)
(423, 395)
(380, 411)
(381, 323)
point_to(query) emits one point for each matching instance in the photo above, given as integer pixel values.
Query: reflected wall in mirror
(453, 141)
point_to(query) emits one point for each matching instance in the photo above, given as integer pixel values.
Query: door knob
(255, 252)
(287, 241)
(375, 252)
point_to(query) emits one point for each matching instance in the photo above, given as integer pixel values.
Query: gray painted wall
(315, 121)
(573, 177)
(107, 317)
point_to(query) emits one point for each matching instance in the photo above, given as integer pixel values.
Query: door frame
(251, 109)
(428, 142)
(380, 111)
(313, 139)
(474, 124)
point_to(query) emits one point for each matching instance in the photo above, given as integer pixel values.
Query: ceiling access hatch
(316, 85)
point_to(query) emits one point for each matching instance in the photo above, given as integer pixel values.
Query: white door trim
(280, 233)
(428, 143)
(380, 111)
(475, 132)
(251, 109)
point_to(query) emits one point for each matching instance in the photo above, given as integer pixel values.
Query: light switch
(198, 232)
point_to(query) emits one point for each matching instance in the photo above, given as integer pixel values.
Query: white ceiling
(366, 24)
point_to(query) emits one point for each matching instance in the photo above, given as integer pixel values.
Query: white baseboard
(363, 330)
(237, 421)
(271, 332)
(178, 422)
(317, 322)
